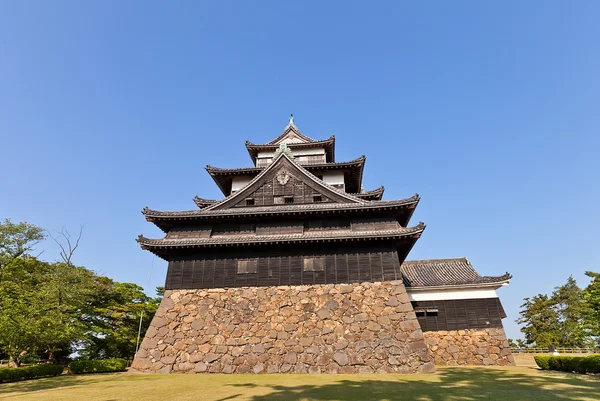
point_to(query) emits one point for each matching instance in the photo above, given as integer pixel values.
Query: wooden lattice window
(247, 266)
(317, 198)
(249, 201)
(314, 264)
(288, 199)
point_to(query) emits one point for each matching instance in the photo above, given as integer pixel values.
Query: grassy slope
(473, 383)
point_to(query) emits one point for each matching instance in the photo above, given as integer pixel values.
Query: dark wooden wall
(284, 267)
(459, 314)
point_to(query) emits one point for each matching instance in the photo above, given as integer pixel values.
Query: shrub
(542, 361)
(98, 366)
(592, 363)
(29, 372)
(589, 364)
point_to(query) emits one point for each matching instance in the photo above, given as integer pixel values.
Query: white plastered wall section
(438, 294)
(333, 177)
(295, 152)
(239, 182)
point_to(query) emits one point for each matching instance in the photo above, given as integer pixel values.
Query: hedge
(578, 364)
(29, 372)
(98, 366)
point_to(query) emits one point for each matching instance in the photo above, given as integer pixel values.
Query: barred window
(314, 264)
(247, 266)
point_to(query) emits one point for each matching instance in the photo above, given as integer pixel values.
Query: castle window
(250, 202)
(314, 264)
(317, 199)
(247, 266)
(288, 199)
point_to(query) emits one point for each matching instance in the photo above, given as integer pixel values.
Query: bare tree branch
(66, 244)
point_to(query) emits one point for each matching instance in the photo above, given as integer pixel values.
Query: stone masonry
(345, 328)
(469, 347)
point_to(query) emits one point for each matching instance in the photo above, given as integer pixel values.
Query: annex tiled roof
(315, 236)
(444, 273)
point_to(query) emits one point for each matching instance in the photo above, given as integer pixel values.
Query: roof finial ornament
(292, 120)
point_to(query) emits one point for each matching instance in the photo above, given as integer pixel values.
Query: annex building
(299, 269)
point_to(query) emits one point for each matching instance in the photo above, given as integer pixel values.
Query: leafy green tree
(16, 241)
(41, 305)
(591, 296)
(568, 302)
(114, 319)
(540, 321)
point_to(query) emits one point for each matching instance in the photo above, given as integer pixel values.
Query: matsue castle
(298, 269)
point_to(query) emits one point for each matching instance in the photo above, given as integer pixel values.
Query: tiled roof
(445, 272)
(201, 202)
(375, 194)
(291, 127)
(149, 213)
(302, 237)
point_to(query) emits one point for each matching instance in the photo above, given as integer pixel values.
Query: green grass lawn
(450, 383)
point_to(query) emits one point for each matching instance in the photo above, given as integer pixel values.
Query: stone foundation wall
(353, 328)
(469, 347)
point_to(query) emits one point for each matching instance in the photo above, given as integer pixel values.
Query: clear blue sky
(489, 111)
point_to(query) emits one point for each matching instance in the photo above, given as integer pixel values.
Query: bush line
(577, 364)
(98, 366)
(29, 372)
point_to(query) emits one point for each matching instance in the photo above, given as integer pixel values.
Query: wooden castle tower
(298, 269)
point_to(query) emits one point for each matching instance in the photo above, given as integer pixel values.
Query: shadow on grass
(66, 380)
(451, 384)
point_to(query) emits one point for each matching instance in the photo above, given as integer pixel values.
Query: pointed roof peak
(291, 134)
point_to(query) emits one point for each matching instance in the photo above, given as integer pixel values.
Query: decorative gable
(285, 182)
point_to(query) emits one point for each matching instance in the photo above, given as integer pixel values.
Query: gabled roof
(291, 132)
(284, 160)
(224, 176)
(455, 272)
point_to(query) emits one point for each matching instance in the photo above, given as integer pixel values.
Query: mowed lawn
(450, 383)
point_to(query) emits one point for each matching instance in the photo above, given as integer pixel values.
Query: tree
(540, 321)
(591, 296)
(567, 300)
(17, 240)
(114, 319)
(41, 306)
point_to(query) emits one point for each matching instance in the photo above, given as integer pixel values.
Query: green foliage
(41, 306)
(591, 295)
(540, 321)
(560, 319)
(29, 372)
(577, 364)
(52, 308)
(114, 320)
(98, 366)
(542, 361)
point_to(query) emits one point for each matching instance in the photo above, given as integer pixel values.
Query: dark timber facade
(299, 218)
